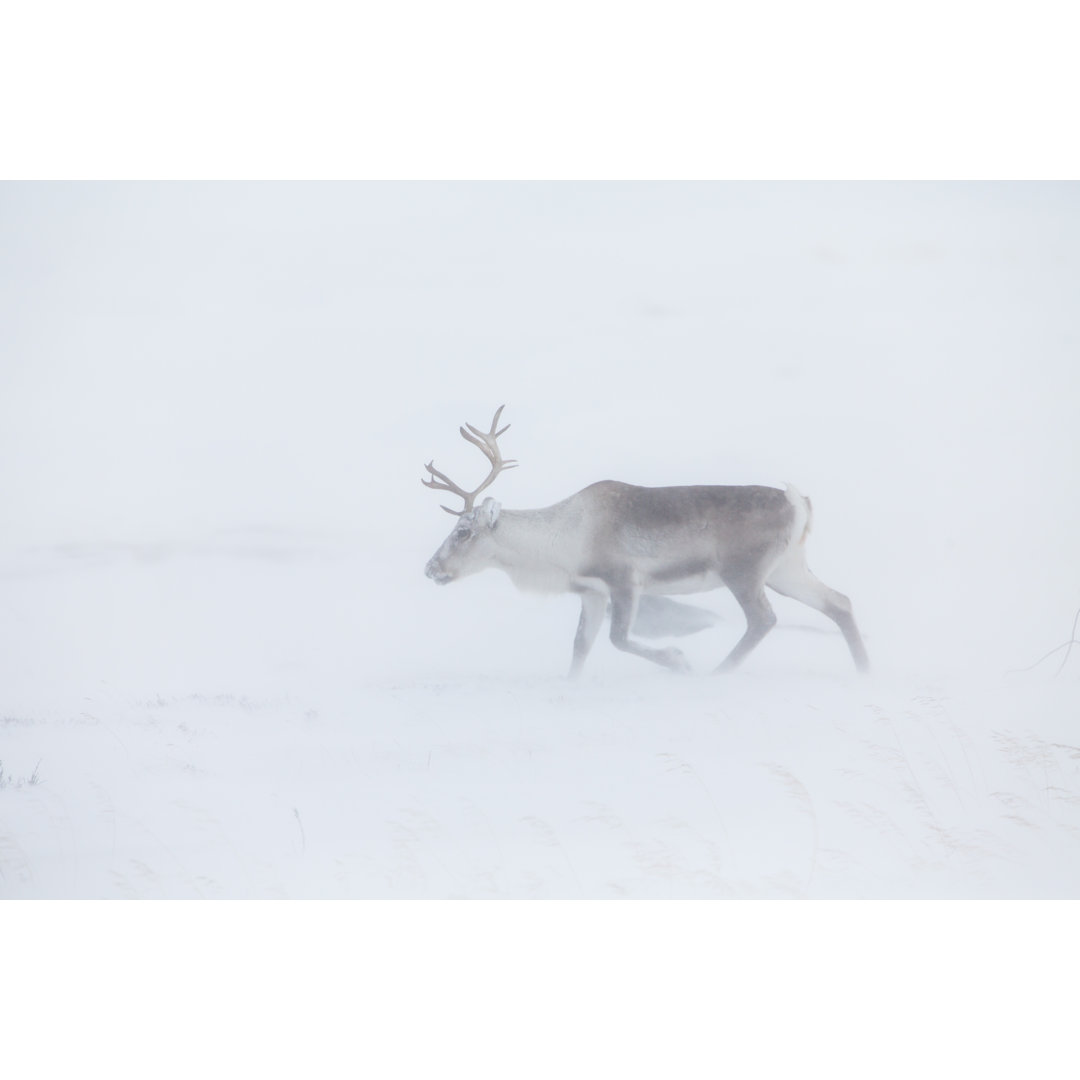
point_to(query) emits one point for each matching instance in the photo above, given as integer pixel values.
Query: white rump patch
(801, 527)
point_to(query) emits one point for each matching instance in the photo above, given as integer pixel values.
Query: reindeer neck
(537, 549)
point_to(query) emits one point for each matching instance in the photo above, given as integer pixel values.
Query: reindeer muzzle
(437, 573)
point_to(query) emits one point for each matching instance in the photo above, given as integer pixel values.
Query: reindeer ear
(489, 512)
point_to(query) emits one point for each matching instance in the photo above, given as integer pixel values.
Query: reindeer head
(469, 547)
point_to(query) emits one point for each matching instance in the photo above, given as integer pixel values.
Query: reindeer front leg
(624, 602)
(593, 607)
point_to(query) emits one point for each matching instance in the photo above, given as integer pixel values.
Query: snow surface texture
(223, 674)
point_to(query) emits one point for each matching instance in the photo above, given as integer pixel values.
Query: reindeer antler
(487, 441)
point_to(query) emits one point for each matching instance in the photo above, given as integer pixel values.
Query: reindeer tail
(804, 513)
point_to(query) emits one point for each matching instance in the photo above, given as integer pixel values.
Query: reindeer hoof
(674, 659)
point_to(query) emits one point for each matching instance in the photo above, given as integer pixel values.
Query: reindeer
(617, 543)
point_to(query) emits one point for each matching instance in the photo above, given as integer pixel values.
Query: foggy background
(271, 364)
(224, 674)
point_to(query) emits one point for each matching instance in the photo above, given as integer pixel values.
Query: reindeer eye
(461, 533)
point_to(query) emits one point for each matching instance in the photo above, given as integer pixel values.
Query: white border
(836, 89)
(687, 989)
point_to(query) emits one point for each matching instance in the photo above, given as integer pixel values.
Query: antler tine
(476, 440)
(441, 482)
(491, 433)
(488, 448)
(487, 441)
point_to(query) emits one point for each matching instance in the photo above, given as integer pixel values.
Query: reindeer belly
(685, 576)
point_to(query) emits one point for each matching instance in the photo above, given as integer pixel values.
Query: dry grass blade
(1066, 645)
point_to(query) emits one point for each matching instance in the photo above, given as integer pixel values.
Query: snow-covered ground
(223, 674)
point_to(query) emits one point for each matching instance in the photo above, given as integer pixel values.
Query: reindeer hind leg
(792, 577)
(760, 619)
